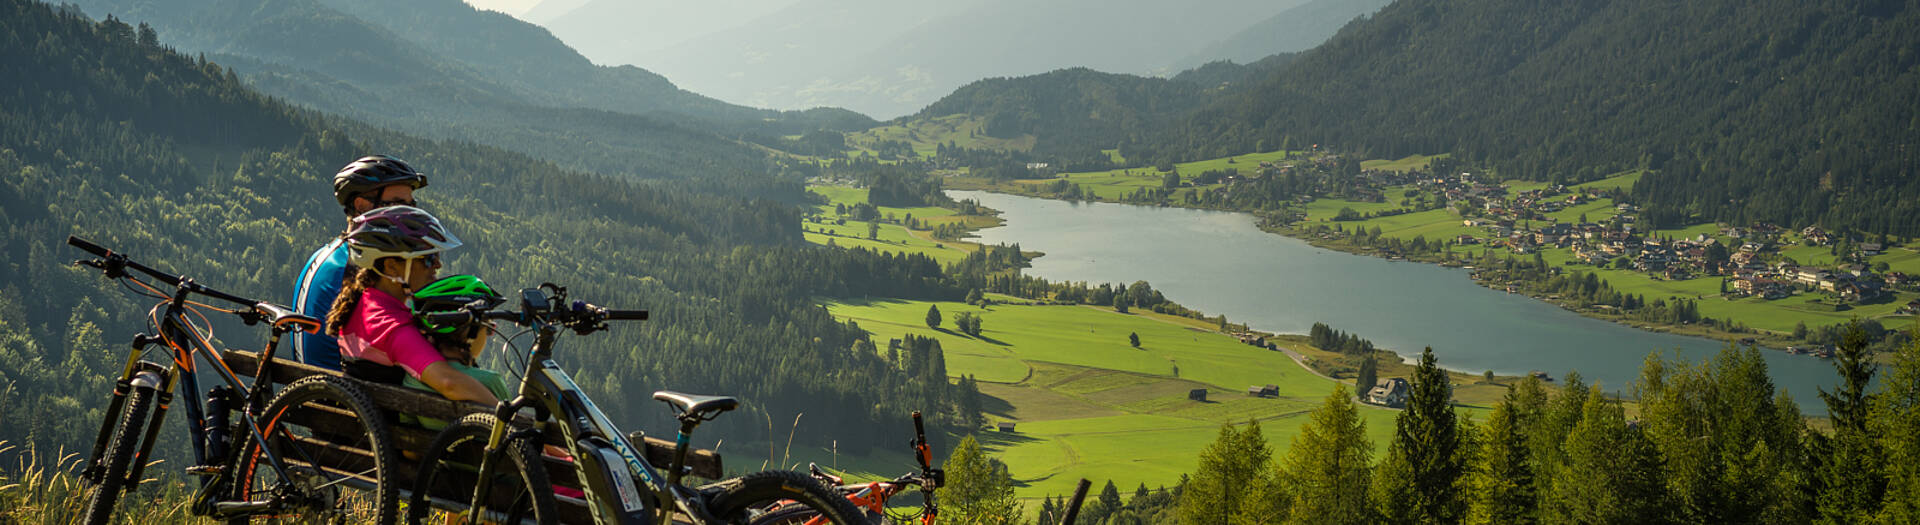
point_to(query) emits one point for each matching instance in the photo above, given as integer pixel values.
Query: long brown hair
(355, 284)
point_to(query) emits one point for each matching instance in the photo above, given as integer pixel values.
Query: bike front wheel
(105, 496)
(329, 439)
(450, 470)
(780, 497)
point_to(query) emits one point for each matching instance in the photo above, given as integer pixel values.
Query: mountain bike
(508, 475)
(873, 497)
(281, 470)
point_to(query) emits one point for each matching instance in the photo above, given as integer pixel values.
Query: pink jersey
(382, 330)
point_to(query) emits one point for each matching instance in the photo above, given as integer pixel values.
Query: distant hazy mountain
(610, 31)
(1297, 29)
(442, 68)
(889, 58)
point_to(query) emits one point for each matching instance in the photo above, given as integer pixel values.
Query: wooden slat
(659, 452)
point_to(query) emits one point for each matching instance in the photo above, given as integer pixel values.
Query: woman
(394, 251)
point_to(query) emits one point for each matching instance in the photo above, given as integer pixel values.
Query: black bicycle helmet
(371, 173)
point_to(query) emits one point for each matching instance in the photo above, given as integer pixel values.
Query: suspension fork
(188, 385)
(115, 403)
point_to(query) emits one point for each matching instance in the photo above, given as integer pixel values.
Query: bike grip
(626, 315)
(1073, 507)
(85, 246)
(919, 428)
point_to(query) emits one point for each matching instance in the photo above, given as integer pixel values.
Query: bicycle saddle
(697, 404)
(281, 316)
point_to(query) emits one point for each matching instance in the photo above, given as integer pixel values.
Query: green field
(1408, 163)
(1115, 184)
(1087, 404)
(893, 238)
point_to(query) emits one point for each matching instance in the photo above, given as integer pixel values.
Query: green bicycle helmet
(449, 294)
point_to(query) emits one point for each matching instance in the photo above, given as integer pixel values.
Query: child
(460, 344)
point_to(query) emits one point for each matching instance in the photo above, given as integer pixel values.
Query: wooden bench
(394, 400)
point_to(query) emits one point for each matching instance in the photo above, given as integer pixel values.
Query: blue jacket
(313, 295)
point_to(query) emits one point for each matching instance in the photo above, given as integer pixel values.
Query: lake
(1220, 263)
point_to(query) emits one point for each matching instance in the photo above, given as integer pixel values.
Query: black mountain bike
(280, 470)
(619, 485)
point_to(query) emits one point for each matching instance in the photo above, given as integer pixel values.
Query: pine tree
(1327, 467)
(1731, 444)
(1850, 480)
(1133, 338)
(1230, 468)
(1502, 479)
(1896, 419)
(1368, 377)
(978, 489)
(933, 316)
(1611, 475)
(1428, 444)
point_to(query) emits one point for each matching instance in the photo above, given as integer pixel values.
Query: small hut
(1006, 426)
(1197, 394)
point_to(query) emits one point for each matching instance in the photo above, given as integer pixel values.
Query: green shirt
(491, 379)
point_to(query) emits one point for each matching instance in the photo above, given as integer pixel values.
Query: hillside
(177, 163)
(1071, 112)
(442, 69)
(1783, 111)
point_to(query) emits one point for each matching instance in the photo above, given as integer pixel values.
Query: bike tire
(780, 496)
(105, 496)
(314, 417)
(447, 470)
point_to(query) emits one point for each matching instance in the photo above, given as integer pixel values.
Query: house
(1391, 392)
(1264, 391)
(1912, 307)
(1006, 426)
(1871, 248)
(1197, 394)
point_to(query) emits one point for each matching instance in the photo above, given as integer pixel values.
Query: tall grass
(47, 490)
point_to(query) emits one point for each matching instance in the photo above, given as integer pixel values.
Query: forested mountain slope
(1072, 112)
(441, 68)
(174, 161)
(1789, 111)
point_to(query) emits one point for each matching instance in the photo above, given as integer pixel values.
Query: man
(371, 182)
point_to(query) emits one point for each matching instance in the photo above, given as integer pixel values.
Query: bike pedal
(206, 470)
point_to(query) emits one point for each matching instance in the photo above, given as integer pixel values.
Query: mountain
(1297, 29)
(176, 162)
(609, 31)
(892, 58)
(1795, 112)
(444, 69)
(1071, 112)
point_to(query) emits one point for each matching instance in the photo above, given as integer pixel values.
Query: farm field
(1087, 404)
(893, 238)
(926, 134)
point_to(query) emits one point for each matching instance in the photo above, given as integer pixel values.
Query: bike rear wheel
(449, 471)
(329, 439)
(780, 496)
(104, 498)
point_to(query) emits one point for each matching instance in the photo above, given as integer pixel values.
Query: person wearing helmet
(459, 343)
(392, 252)
(370, 182)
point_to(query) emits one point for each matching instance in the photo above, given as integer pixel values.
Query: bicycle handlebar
(115, 263)
(582, 317)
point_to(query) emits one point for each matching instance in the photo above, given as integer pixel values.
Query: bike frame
(178, 377)
(548, 389)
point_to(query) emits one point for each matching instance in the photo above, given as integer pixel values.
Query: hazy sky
(511, 7)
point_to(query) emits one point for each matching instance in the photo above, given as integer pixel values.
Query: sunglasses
(432, 260)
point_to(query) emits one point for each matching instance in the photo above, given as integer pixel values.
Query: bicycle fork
(133, 375)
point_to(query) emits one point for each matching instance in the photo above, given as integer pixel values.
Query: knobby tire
(105, 495)
(778, 497)
(332, 402)
(449, 470)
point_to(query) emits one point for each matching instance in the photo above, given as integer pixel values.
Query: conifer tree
(1502, 478)
(1896, 418)
(1428, 445)
(933, 316)
(1730, 443)
(1230, 468)
(1611, 474)
(1368, 377)
(1326, 469)
(1850, 480)
(978, 489)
